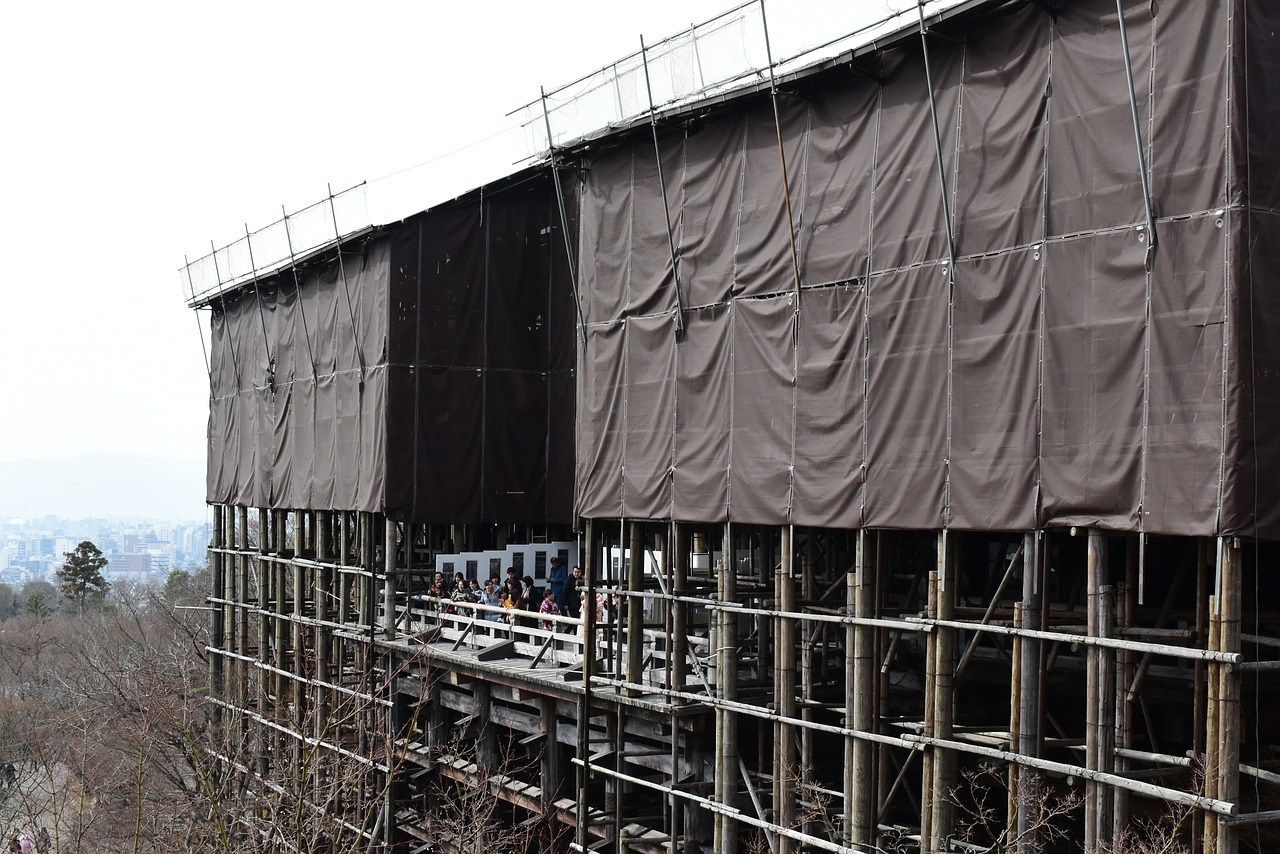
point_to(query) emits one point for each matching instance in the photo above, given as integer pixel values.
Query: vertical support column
(680, 620)
(1201, 695)
(389, 583)
(242, 603)
(787, 777)
(1123, 737)
(726, 767)
(860, 700)
(279, 606)
(590, 570)
(1227, 617)
(808, 632)
(218, 628)
(1099, 695)
(635, 607)
(551, 778)
(940, 763)
(324, 583)
(1028, 692)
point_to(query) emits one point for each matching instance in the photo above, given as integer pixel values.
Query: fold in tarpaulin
(428, 376)
(1061, 372)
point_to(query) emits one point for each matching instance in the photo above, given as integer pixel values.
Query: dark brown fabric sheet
(464, 318)
(1050, 379)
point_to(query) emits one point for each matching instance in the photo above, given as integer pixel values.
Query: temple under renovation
(912, 413)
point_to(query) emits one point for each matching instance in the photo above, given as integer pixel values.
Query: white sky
(136, 132)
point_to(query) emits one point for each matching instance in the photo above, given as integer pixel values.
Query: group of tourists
(519, 598)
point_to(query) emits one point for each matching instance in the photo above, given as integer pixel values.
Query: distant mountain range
(103, 485)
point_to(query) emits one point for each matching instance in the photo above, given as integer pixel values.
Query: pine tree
(81, 575)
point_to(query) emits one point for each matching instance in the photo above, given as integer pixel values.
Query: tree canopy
(81, 576)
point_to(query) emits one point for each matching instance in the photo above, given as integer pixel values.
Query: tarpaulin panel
(830, 408)
(702, 416)
(402, 440)
(352, 397)
(515, 447)
(709, 218)
(650, 417)
(601, 432)
(258, 401)
(995, 392)
(605, 245)
(1095, 297)
(1251, 503)
(321, 298)
(517, 277)
(223, 455)
(1184, 432)
(1094, 177)
(763, 410)
(324, 475)
(762, 261)
(562, 330)
(909, 226)
(650, 283)
(452, 292)
(906, 399)
(403, 315)
(283, 459)
(372, 473)
(1260, 93)
(449, 435)
(1188, 133)
(834, 233)
(560, 448)
(1000, 174)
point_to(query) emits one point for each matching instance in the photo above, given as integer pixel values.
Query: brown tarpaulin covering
(464, 319)
(1050, 378)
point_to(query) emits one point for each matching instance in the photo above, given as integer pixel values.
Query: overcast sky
(136, 132)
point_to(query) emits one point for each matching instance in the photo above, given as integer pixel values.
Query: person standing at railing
(491, 596)
(549, 606)
(556, 578)
(571, 602)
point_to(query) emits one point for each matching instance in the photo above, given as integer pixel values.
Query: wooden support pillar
(808, 633)
(590, 571)
(298, 640)
(218, 629)
(1227, 617)
(279, 608)
(726, 767)
(1204, 566)
(549, 762)
(939, 764)
(1100, 694)
(635, 606)
(488, 757)
(860, 666)
(1123, 678)
(787, 776)
(1027, 696)
(680, 620)
(323, 590)
(389, 582)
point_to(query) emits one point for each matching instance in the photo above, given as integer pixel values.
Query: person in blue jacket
(555, 580)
